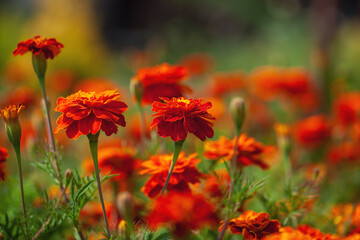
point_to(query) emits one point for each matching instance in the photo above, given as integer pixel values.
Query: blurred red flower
(91, 214)
(252, 225)
(314, 233)
(344, 152)
(177, 116)
(312, 131)
(185, 172)
(216, 185)
(197, 63)
(347, 108)
(183, 211)
(249, 151)
(223, 83)
(162, 81)
(37, 45)
(88, 112)
(3, 156)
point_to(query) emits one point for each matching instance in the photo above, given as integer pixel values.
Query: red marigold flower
(252, 225)
(185, 172)
(312, 131)
(288, 233)
(88, 112)
(223, 83)
(162, 81)
(3, 156)
(197, 63)
(249, 151)
(183, 211)
(50, 47)
(347, 108)
(346, 151)
(177, 116)
(314, 233)
(216, 185)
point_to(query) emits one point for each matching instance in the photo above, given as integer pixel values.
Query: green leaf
(83, 189)
(163, 236)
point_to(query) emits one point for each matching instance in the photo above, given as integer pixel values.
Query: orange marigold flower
(288, 233)
(312, 131)
(49, 47)
(249, 151)
(185, 172)
(347, 107)
(216, 185)
(197, 63)
(223, 83)
(183, 211)
(177, 116)
(91, 214)
(162, 81)
(252, 225)
(314, 233)
(344, 152)
(11, 113)
(3, 156)
(88, 112)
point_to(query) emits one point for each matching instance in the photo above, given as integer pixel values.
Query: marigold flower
(341, 215)
(91, 214)
(216, 185)
(3, 156)
(88, 112)
(312, 131)
(197, 63)
(223, 83)
(183, 211)
(49, 47)
(177, 116)
(315, 233)
(162, 81)
(249, 151)
(347, 107)
(184, 173)
(288, 233)
(344, 152)
(11, 113)
(252, 225)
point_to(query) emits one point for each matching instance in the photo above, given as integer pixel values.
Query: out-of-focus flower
(341, 215)
(184, 173)
(62, 80)
(3, 156)
(218, 107)
(252, 225)
(355, 220)
(88, 112)
(319, 170)
(347, 107)
(315, 233)
(288, 233)
(21, 95)
(182, 211)
(162, 81)
(134, 128)
(224, 83)
(344, 152)
(177, 116)
(197, 63)
(53, 192)
(216, 185)
(249, 151)
(312, 131)
(116, 159)
(95, 85)
(91, 214)
(49, 47)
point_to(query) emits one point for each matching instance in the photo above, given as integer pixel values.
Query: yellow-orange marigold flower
(185, 172)
(11, 113)
(249, 151)
(252, 225)
(88, 112)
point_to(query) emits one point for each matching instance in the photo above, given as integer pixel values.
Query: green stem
(177, 149)
(93, 142)
(18, 159)
(142, 124)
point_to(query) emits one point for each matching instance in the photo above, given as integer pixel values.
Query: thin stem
(142, 122)
(177, 149)
(18, 159)
(232, 181)
(94, 152)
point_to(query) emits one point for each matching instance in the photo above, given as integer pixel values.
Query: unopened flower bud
(124, 201)
(237, 110)
(39, 65)
(68, 174)
(12, 125)
(137, 89)
(122, 230)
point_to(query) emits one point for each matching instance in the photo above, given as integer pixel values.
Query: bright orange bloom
(185, 172)
(355, 220)
(11, 113)
(314, 233)
(183, 211)
(162, 81)
(21, 95)
(3, 156)
(217, 185)
(95, 85)
(62, 80)
(177, 116)
(223, 83)
(312, 131)
(252, 225)
(347, 108)
(197, 63)
(249, 151)
(38, 45)
(115, 159)
(302, 233)
(88, 112)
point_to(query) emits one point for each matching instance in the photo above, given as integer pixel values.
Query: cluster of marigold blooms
(193, 198)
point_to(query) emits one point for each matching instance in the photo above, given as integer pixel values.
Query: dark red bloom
(162, 81)
(185, 172)
(3, 155)
(253, 226)
(177, 116)
(183, 211)
(88, 112)
(37, 45)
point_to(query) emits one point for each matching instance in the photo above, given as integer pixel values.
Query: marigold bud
(124, 201)
(237, 110)
(122, 229)
(137, 89)
(12, 125)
